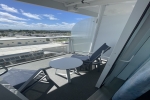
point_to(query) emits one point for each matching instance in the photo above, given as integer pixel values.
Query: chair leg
(98, 64)
(76, 71)
(98, 67)
(89, 67)
(83, 67)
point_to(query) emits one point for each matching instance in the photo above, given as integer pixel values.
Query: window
(38, 53)
(1, 43)
(12, 58)
(34, 41)
(7, 59)
(34, 54)
(47, 39)
(17, 58)
(43, 41)
(19, 42)
(22, 56)
(1, 60)
(30, 55)
(26, 56)
(12, 42)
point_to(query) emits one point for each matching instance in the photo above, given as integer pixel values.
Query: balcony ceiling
(85, 7)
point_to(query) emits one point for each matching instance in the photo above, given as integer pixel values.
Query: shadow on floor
(81, 87)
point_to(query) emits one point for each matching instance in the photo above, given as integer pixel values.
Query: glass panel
(137, 46)
(82, 34)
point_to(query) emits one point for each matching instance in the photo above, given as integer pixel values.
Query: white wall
(113, 22)
(110, 31)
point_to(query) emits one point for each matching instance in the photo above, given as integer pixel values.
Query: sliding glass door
(134, 54)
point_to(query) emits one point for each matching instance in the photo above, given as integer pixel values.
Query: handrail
(128, 60)
(6, 39)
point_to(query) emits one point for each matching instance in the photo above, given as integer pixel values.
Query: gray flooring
(107, 92)
(57, 88)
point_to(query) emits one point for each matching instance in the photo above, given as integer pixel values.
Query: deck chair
(22, 79)
(89, 60)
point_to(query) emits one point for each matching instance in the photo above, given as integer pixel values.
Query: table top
(65, 63)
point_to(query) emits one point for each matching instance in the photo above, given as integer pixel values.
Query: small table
(66, 63)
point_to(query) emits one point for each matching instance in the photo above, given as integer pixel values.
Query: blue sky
(19, 15)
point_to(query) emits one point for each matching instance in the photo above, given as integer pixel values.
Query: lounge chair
(89, 60)
(22, 79)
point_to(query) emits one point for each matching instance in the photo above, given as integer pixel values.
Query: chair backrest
(99, 51)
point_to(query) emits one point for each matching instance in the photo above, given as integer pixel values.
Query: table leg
(68, 75)
(60, 74)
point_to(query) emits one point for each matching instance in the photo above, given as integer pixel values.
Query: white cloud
(34, 16)
(35, 26)
(7, 8)
(50, 17)
(59, 13)
(4, 20)
(9, 16)
(79, 18)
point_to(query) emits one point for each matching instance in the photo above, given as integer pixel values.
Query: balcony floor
(81, 87)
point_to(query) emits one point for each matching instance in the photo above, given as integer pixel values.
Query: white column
(98, 22)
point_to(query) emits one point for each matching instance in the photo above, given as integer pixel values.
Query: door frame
(134, 20)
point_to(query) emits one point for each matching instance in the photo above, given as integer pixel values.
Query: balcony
(107, 25)
(81, 88)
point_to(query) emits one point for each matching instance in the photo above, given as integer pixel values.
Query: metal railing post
(69, 51)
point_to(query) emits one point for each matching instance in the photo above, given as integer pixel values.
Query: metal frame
(68, 73)
(99, 20)
(33, 77)
(131, 24)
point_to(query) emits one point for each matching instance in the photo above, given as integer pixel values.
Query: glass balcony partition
(82, 34)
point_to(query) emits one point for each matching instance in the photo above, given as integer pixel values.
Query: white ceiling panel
(86, 7)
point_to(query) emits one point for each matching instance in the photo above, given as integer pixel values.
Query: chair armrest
(106, 57)
(6, 70)
(95, 63)
(84, 52)
(87, 61)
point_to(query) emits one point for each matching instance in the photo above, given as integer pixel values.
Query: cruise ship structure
(124, 69)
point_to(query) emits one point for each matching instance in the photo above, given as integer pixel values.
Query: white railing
(52, 45)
